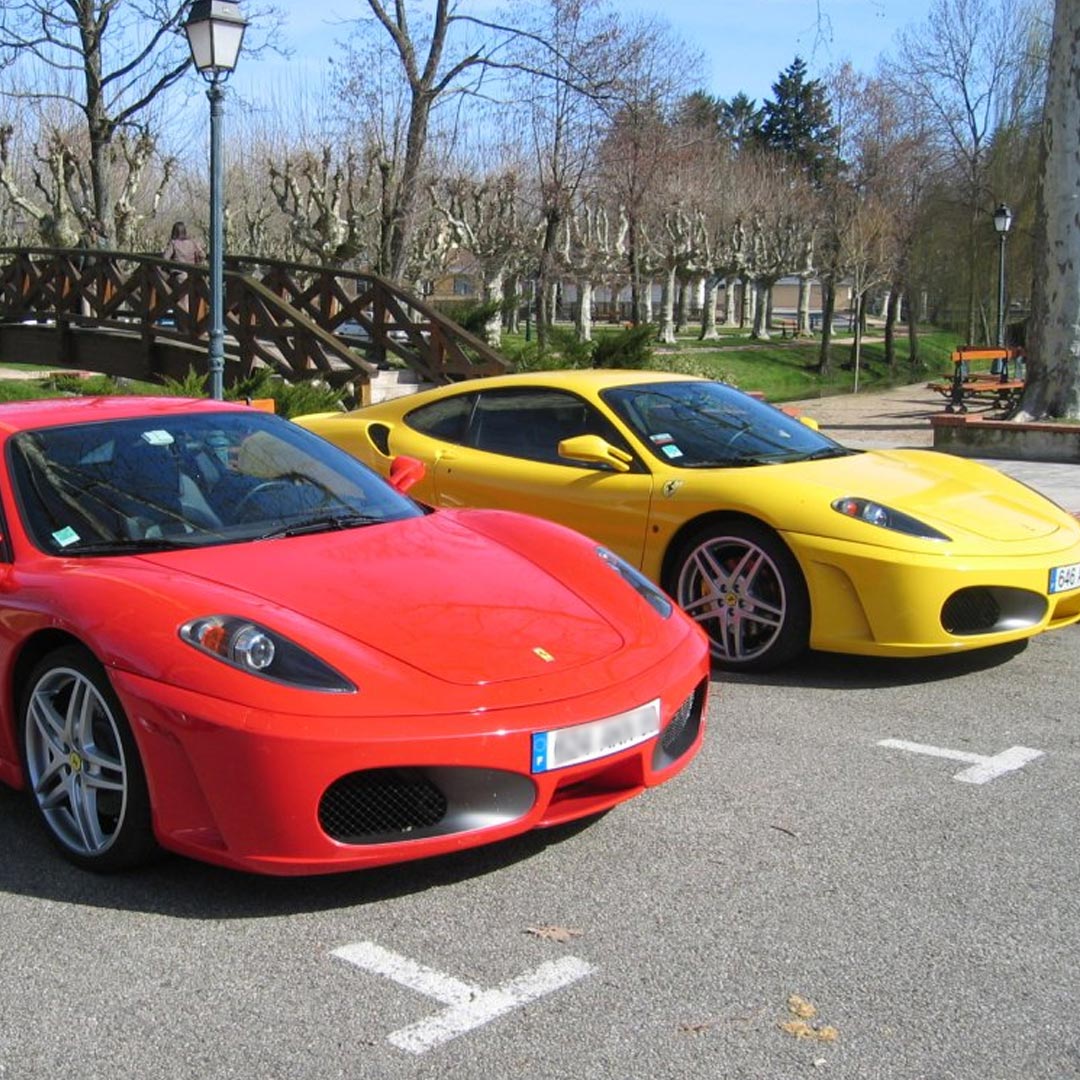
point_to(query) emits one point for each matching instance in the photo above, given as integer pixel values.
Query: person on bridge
(182, 248)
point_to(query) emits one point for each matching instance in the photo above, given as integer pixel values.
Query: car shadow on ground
(184, 889)
(836, 671)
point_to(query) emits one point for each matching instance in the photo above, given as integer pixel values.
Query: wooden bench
(1000, 385)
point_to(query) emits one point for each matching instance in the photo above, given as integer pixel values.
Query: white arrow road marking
(982, 768)
(468, 1006)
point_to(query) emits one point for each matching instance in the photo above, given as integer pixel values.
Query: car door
(509, 460)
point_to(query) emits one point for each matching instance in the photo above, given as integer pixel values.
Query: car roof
(594, 378)
(583, 380)
(50, 412)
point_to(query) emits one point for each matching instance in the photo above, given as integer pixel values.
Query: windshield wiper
(326, 523)
(125, 546)
(728, 463)
(829, 452)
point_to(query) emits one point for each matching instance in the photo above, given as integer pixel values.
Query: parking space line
(982, 768)
(408, 973)
(468, 1006)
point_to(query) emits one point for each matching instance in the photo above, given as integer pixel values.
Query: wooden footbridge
(142, 317)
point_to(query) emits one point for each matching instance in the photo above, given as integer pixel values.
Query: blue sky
(746, 43)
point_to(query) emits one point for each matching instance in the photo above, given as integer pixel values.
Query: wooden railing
(300, 321)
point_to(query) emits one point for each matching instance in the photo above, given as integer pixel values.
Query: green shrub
(191, 385)
(574, 353)
(472, 315)
(629, 348)
(290, 399)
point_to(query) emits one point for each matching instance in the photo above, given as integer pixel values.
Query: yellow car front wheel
(742, 585)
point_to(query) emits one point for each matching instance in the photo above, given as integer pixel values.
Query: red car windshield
(189, 480)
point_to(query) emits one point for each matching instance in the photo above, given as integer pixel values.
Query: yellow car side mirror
(595, 450)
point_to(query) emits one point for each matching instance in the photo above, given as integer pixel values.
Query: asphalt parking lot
(859, 877)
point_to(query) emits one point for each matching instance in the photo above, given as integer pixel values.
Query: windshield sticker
(671, 451)
(66, 536)
(157, 438)
(661, 438)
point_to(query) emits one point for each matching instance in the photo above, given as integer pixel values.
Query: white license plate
(1063, 578)
(596, 739)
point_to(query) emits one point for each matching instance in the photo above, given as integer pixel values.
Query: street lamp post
(215, 31)
(1002, 223)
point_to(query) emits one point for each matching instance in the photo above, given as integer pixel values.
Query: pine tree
(740, 121)
(798, 122)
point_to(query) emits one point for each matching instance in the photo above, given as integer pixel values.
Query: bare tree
(777, 211)
(590, 252)
(962, 69)
(327, 199)
(484, 218)
(569, 59)
(438, 64)
(107, 63)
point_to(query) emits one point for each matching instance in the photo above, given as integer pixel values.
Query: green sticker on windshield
(65, 536)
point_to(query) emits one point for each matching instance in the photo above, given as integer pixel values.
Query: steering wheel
(259, 489)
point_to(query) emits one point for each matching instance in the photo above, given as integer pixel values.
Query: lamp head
(1002, 219)
(215, 31)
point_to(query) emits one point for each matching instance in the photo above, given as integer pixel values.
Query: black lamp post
(215, 30)
(1002, 223)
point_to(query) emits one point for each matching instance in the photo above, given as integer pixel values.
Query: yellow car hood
(962, 498)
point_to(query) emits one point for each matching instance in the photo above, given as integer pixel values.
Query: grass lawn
(785, 369)
(782, 369)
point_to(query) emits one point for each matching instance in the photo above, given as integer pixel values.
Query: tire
(82, 766)
(743, 587)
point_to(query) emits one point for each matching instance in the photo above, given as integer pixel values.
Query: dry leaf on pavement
(553, 933)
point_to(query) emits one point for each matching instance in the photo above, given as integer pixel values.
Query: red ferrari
(222, 636)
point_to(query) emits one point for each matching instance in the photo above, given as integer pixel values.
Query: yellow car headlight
(875, 513)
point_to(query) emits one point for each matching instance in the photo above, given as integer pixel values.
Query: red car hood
(428, 591)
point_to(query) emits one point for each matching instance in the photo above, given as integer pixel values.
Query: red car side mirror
(406, 472)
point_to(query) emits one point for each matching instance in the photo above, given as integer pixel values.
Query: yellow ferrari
(771, 535)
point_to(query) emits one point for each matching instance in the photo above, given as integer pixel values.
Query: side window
(531, 423)
(446, 419)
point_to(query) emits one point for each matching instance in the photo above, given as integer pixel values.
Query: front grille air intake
(991, 609)
(380, 803)
(681, 730)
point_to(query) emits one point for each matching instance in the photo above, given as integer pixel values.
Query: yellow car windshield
(701, 424)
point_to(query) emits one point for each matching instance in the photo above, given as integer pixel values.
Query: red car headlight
(250, 647)
(637, 581)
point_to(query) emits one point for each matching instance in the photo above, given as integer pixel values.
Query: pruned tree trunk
(494, 292)
(709, 331)
(584, 321)
(913, 336)
(731, 301)
(749, 304)
(802, 326)
(1053, 385)
(892, 307)
(682, 309)
(828, 307)
(856, 345)
(761, 311)
(666, 333)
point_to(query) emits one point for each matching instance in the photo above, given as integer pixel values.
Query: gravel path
(897, 417)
